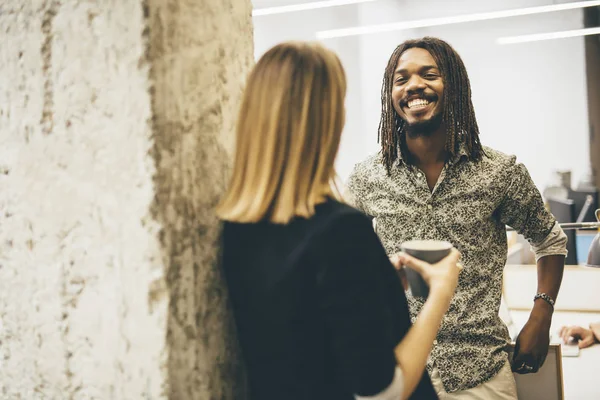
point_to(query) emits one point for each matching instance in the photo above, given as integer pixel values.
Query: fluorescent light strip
(306, 6)
(548, 36)
(423, 23)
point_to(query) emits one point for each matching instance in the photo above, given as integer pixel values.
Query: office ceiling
(276, 3)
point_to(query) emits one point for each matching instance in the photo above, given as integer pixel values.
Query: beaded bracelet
(544, 297)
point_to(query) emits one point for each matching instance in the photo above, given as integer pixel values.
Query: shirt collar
(461, 153)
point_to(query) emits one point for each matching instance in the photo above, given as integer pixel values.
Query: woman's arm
(351, 287)
(412, 352)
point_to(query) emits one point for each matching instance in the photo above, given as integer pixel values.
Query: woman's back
(318, 306)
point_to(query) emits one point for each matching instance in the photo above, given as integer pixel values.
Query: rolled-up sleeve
(523, 209)
(351, 297)
(554, 244)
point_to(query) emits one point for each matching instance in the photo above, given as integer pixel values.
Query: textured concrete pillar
(199, 52)
(116, 124)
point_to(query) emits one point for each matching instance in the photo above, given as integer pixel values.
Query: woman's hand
(441, 277)
(395, 260)
(414, 349)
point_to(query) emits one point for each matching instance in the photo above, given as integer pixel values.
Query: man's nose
(415, 83)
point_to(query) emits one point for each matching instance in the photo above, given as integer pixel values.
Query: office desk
(578, 303)
(578, 291)
(581, 375)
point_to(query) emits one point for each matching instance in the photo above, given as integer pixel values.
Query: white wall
(270, 30)
(530, 99)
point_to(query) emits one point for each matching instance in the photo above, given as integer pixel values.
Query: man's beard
(424, 128)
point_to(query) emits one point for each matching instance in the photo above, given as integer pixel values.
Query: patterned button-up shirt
(470, 206)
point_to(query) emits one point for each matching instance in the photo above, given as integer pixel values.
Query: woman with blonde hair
(319, 308)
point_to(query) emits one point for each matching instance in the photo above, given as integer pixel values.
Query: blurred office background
(530, 98)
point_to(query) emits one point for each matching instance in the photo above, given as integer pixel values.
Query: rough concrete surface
(115, 124)
(78, 249)
(200, 53)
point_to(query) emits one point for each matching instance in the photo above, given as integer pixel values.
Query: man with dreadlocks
(434, 180)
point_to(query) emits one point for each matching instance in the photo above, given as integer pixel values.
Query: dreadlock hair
(458, 113)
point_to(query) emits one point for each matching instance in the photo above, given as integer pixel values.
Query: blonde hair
(288, 133)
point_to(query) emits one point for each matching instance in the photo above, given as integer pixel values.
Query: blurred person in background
(319, 308)
(584, 337)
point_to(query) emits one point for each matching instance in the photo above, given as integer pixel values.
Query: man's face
(418, 90)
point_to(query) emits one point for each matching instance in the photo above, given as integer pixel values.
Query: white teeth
(417, 103)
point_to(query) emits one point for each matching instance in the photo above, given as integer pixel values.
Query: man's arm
(550, 256)
(524, 210)
(549, 272)
(532, 348)
(532, 343)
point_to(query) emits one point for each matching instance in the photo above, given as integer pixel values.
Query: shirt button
(429, 206)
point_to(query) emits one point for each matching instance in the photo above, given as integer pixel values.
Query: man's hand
(532, 346)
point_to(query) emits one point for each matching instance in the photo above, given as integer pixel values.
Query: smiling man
(433, 179)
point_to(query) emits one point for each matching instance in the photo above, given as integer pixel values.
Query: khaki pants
(500, 387)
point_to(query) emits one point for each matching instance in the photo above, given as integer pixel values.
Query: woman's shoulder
(332, 220)
(338, 225)
(335, 212)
